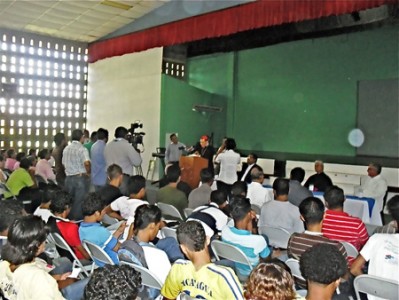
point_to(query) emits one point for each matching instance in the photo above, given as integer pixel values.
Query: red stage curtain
(258, 14)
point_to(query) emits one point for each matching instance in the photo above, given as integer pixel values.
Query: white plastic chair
(278, 237)
(147, 277)
(169, 232)
(376, 286)
(351, 250)
(97, 254)
(293, 264)
(188, 211)
(169, 210)
(61, 243)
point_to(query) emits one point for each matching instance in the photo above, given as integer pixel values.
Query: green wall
(295, 98)
(177, 100)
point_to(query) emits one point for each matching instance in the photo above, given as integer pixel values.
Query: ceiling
(84, 21)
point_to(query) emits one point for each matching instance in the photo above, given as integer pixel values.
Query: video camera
(136, 138)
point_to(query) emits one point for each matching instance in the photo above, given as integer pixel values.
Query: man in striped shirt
(340, 226)
(312, 212)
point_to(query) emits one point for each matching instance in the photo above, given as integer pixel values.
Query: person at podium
(205, 150)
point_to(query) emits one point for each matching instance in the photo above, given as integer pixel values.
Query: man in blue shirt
(91, 229)
(98, 164)
(240, 235)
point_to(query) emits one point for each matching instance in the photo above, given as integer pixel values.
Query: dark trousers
(224, 187)
(78, 188)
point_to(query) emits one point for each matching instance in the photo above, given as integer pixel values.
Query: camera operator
(122, 153)
(174, 151)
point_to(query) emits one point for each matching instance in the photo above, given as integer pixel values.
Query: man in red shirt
(338, 225)
(60, 207)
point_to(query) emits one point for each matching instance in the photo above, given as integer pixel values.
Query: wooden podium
(191, 167)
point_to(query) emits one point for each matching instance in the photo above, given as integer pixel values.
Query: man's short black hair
(239, 188)
(25, 163)
(10, 152)
(9, 211)
(219, 197)
(113, 171)
(120, 282)
(312, 210)
(230, 144)
(61, 201)
(145, 215)
(323, 264)
(173, 173)
(102, 134)
(192, 235)
(334, 197)
(42, 153)
(121, 132)
(297, 174)
(49, 193)
(20, 156)
(172, 135)
(59, 138)
(239, 207)
(254, 156)
(136, 183)
(92, 204)
(393, 208)
(206, 175)
(281, 186)
(76, 135)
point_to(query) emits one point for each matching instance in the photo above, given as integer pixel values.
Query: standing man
(60, 144)
(120, 152)
(77, 165)
(206, 151)
(320, 180)
(375, 186)
(99, 166)
(174, 150)
(245, 174)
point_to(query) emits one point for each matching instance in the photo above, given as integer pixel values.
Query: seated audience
(170, 194)
(21, 276)
(393, 209)
(240, 235)
(257, 194)
(60, 206)
(340, 226)
(312, 212)
(374, 186)
(147, 222)
(43, 211)
(320, 181)
(382, 253)
(201, 195)
(91, 230)
(199, 277)
(126, 206)
(322, 266)
(10, 210)
(3, 175)
(239, 188)
(279, 212)
(113, 283)
(245, 173)
(19, 157)
(11, 160)
(111, 191)
(213, 216)
(270, 281)
(297, 192)
(22, 183)
(43, 167)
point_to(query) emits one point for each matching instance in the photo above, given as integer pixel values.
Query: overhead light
(116, 4)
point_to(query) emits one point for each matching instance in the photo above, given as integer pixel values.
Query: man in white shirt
(279, 212)
(257, 194)
(126, 206)
(375, 186)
